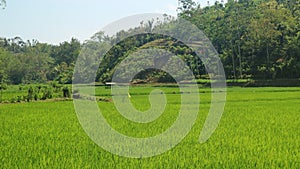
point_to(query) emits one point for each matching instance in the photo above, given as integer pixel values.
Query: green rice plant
(259, 129)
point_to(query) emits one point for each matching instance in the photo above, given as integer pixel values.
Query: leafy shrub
(19, 99)
(30, 94)
(47, 93)
(66, 92)
(36, 96)
(3, 86)
(13, 100)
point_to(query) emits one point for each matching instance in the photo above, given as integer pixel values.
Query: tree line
(255, 39)
(34, 62)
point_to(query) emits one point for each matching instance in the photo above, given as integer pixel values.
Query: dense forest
(255, 39)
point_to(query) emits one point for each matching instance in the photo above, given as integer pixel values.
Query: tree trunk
(240, 59)
(233, 63)
(268, 57)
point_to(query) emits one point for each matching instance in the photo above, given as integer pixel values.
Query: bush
(39, 87)
(3, 86)
(36, 96)
(30, 94)
(13, 100)
(24, 98)
(66, 92)
(19, 99)
(47, 94)
(56, 86)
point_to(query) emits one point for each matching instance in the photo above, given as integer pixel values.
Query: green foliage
(254, 38)
(66, 52)
(47, 93)
(19, 99)
(122, 50)
(30, 94)
(34, 62)
(3, 86)
(64, 73)
(66, 92)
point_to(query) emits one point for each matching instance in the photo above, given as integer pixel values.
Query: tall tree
(66, 52)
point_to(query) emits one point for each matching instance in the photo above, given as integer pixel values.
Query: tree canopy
(256, 39)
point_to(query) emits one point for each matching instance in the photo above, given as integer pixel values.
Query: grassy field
(260, 128)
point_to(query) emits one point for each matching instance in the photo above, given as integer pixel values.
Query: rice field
(260, 128)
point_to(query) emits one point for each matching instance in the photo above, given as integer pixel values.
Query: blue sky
(55, 21)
